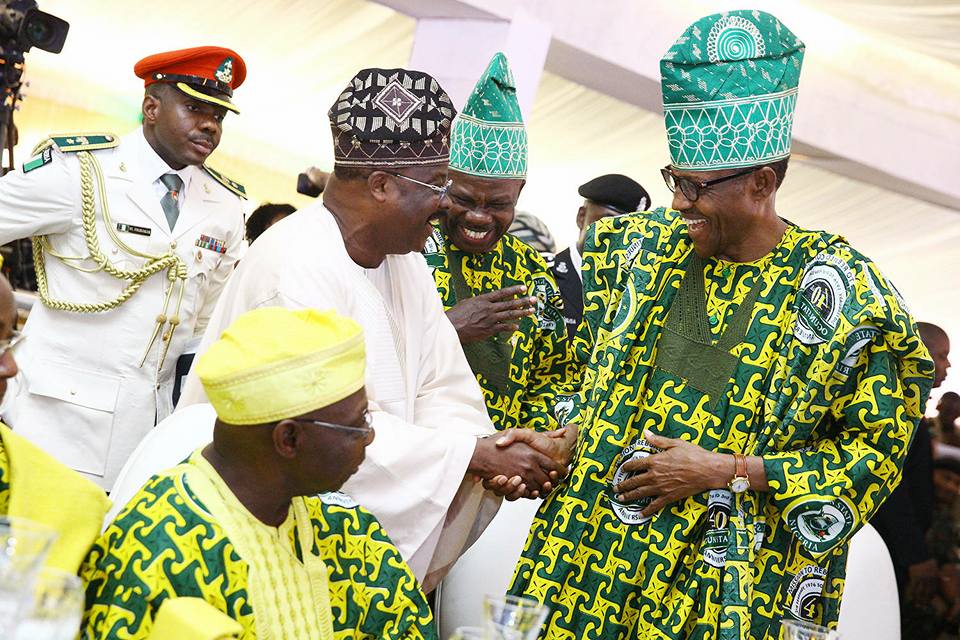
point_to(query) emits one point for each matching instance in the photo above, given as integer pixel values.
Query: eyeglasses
(441, 191)
(11, 342)
(365, 430)
(691, 188)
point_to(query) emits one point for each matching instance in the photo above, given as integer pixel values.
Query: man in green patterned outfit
(253, 524)
(750, 387)
(498, 292)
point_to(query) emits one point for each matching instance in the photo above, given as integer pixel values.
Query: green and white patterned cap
(729, 91)
(488, 138)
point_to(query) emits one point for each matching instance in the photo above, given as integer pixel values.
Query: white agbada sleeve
(414, 476)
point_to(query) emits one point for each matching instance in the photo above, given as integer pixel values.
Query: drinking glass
(513, 618)
(803, 630)
(469, 633)
(57, 608)
(24, 545)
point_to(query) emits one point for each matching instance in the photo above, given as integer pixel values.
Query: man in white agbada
(358, 252)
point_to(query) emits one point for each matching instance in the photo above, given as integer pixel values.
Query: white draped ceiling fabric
(300, 54)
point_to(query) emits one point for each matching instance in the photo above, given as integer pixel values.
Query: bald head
(938, 344)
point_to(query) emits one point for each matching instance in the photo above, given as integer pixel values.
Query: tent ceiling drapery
(300, 53)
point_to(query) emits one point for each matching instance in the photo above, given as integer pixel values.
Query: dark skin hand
(490, 313)
(558, 444)
(521, 463)
(681, 470)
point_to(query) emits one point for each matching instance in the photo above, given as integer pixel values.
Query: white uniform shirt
(82, 396)
(427, 406)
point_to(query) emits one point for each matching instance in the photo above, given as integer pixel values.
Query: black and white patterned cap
(391, 117)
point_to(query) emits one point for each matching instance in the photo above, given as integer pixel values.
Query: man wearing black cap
(133, 240)
(357, 251)
(609, 195)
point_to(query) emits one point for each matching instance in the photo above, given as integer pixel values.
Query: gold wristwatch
(740, 481)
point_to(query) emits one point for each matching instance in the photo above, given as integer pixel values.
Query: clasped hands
(523, 463)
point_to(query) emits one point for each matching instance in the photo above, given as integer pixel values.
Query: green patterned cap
(729, 91)
(488, 138)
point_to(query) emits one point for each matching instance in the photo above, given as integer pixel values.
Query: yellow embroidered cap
(275, 363)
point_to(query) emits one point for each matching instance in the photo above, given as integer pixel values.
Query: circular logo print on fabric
(805, 591)
(338, 499)
(820, 524)
(716, 539)
(823, 291)
(629, 512)
(734, 38)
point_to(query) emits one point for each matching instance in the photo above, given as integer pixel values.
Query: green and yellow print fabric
(828, 387)
(165, 544)
(540, 356)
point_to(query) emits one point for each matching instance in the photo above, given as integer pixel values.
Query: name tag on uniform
(213, 244)
(134, 229)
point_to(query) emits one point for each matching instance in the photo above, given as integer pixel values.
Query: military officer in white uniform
(134, 239)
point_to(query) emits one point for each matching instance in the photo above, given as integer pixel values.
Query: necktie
(168, 202)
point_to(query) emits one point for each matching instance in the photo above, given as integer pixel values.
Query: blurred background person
(264, 217)
(534, 232)
(608, 195)
(904, 520)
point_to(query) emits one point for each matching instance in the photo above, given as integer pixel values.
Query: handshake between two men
(523, 463)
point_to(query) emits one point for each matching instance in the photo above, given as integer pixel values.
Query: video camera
(22, 27)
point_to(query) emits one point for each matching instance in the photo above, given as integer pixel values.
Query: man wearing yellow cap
(357, 251)
(133, 240)
(248, 523)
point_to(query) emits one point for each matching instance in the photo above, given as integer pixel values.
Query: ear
(581, 217)
(381, 186)
(287, 437)
(763, 183)
(523, 183)
(150, 108)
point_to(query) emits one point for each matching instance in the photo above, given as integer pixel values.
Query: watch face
(739, 485)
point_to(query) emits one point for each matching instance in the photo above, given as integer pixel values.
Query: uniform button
(72, 392)
(199, 255)
(114, 251)
(173, 245)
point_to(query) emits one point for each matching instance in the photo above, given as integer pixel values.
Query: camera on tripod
(26, 26)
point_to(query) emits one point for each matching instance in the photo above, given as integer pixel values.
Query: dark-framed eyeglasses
(363, 431)
(11, 342)
(692, 189)
(441, 190)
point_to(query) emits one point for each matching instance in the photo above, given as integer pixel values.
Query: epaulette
(235, 187)
(72, 143)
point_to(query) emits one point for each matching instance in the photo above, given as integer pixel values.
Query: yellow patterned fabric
(826, 383)
(44, 490)
(166, 543)
(538, 355)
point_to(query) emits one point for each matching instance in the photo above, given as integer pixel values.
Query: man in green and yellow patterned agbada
(498, 292)
(750, 387)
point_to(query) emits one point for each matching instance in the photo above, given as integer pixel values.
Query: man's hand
(681, 470)
(490, 313)
(528, 471)
(558, 444)
(923, 580)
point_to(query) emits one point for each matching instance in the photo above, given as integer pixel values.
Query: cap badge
(397, 102)
(224, 72)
